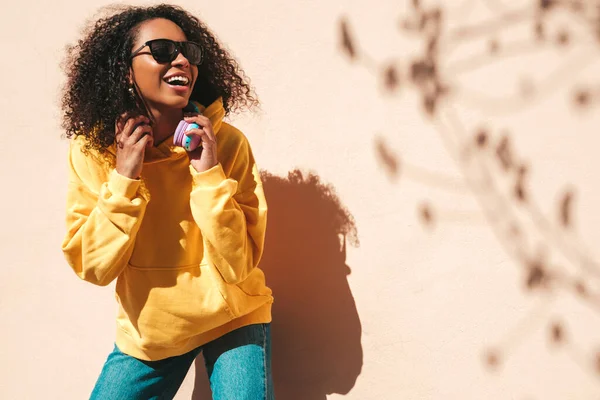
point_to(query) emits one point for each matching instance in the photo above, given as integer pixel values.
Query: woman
(181, 231)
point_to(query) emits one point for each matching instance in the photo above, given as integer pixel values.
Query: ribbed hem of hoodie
(127, 345)
(123, 186)
(211, 177)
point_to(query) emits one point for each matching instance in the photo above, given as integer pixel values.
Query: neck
(165, 123)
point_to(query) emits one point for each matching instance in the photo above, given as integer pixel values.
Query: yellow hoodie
(184, 246)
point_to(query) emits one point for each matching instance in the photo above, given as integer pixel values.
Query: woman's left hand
(205, 156)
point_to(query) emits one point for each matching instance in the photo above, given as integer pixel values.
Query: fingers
(132, 124)
(120, 122)
(204, 136)
(138, 133)
(126, 125)
(146, 141)
(199, 119)
(204, 123)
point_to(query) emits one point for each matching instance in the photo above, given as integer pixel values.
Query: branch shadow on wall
(316, 330)
(545, 247)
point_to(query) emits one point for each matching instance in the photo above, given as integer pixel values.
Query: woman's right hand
(132, 143)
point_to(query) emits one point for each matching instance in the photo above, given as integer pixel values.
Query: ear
(129, 77)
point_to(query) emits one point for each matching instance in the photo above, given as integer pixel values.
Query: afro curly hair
(97, 68)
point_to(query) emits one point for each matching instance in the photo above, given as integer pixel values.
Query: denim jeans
(238, 366)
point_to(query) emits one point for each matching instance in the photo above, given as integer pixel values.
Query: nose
(180, 61)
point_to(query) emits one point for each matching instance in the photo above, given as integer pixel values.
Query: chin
(175, 102)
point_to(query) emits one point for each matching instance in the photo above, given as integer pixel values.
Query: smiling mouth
(178, 81)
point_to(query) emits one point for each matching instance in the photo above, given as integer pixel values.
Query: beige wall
(438, 276)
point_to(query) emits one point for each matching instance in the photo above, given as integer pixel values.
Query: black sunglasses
(166, 50)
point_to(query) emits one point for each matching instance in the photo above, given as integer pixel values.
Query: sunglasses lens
(163, 51)
(192, 52)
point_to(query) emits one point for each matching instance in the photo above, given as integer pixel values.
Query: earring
(131, 91)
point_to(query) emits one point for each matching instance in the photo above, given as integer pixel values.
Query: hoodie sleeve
(230, 208)
(103, 219)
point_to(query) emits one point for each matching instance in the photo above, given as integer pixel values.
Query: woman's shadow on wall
(316, 330)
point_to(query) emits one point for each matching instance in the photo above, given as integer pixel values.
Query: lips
(178, 80)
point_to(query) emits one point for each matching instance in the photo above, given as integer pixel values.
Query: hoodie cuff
(123, 186)
(210, 178)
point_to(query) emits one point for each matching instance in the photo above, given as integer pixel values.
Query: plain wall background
(446, 285)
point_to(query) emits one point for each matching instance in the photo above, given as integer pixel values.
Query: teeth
(182, 79)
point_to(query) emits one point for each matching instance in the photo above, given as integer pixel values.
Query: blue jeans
(238, 366)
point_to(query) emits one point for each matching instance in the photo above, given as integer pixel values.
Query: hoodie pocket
(162, 308)
(246, 296)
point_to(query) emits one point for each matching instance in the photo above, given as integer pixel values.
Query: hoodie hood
(215, 112)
